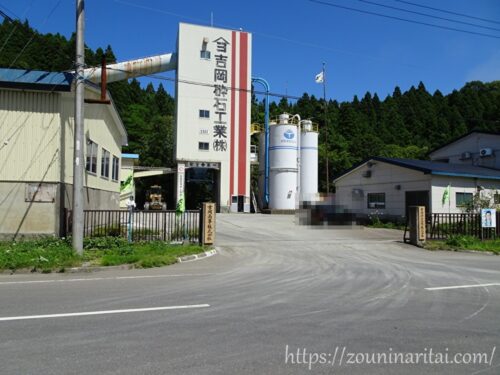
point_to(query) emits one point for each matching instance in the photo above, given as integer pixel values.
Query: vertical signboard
(208, 212)
(220, 96)
(421, 223)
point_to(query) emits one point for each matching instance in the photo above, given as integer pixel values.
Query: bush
(461, 242)
(104, 243)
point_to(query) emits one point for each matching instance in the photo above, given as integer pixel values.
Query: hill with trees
(405, 124)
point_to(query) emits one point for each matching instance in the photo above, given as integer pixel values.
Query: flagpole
(326, 131)
(449, 198)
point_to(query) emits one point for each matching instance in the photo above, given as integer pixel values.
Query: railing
(141, 225)
(442, 226)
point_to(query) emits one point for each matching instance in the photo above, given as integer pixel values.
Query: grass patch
(465, 243)
(44, 255)
(376, 222)
(53, 254)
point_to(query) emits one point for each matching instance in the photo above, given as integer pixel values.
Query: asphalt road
(273, 286)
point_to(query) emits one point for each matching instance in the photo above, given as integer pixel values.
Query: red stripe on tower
(243, 94)
(233, 105)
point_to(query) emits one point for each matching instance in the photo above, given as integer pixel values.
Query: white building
(387, 186)
(36, 152)
(474, 148)
(213, 116)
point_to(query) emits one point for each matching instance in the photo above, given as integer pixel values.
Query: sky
(291, 39)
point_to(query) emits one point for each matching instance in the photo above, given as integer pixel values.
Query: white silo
(283, 164)
(262, 167)
(308, 161)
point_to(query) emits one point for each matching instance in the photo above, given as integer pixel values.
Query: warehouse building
(387, 186)
(36, 152)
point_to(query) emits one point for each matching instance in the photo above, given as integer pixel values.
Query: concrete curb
(124, 267)
(195, 257)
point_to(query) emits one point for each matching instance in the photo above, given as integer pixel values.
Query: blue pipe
(264, 83)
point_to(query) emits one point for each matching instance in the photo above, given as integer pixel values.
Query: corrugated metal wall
(29, 136)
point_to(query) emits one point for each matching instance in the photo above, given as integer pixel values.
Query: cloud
(487, 71)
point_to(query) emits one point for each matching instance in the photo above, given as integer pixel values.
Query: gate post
(417, 225)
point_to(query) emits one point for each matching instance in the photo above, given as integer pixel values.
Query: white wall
(195, 91)
(101, 127)
(471, 143)
(461, 185)
(384, 179)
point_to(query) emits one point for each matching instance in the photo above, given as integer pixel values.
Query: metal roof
(435, 168)
(35, 79)
(461, 137)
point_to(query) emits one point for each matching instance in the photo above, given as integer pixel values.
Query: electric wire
(448, 11)
(326, 3)
(8, 11)
(428, 15)
(16, 25)
(204, 84)
(276, 37)
(34, 34)
(4, 15)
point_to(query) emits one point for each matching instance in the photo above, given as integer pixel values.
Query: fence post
(417, 225)
(129, 226)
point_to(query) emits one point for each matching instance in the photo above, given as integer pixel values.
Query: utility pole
(78, 157)
(326, 132)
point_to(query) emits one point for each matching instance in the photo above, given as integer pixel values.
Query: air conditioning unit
(484, 152)
(466, 156)
(367, 174)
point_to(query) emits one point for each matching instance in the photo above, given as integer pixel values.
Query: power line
(16, 25)
(402, 19)
(204, 84)
(276, 37)
(449, 12)
(34, 34)
(8, 10)
(429, 15)
(4, 15)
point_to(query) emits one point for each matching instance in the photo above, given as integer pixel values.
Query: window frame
(378, 205)
(91, 157)
(496, 198)
(203, 112)
(115, 168)
(105, 157)
(463, 203)
(200, 148)
(205, 54)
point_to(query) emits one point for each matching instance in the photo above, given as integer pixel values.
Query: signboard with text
(208, 213)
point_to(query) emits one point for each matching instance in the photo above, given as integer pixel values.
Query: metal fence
(442, 226)
(141, 225)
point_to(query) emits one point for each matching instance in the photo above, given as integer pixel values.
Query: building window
(105, 164)
(91, 160)
(115, 173)
(463, 199)
(204, 113)
(203, 146)
(376, 200)
(204, 54)
(496, 198)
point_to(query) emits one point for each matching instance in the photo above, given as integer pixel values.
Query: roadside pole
(326, 131)
(78, 160)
